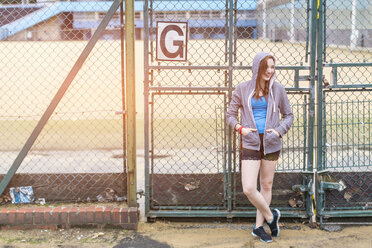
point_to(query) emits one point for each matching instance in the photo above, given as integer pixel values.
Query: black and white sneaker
(260, 232)
(274, 224)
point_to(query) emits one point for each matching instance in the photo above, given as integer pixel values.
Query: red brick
(116, 215)
(20, 216)
(90, 214)
(124, 215)
(39, 216)
(12, 216)
(46, 217)
(73, 216)
(47, 209)
(29, 216)
(98, 216)
(57, 210)
(107, 215)
(21, 210)
(4, 216)
(82, 216)
(64, 215)
(51, 217)
(133, 215)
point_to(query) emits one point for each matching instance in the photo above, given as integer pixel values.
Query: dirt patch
(239, 235)
(163, 234)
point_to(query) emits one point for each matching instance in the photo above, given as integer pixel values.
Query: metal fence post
(146, 103)
(312, 114)
(231, 29)
(319, 101)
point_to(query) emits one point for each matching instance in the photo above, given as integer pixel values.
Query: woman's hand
(274, 131)
(247, 130)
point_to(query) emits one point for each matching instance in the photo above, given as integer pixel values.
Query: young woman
(260, 101)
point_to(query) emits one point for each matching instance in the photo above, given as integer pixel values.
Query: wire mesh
(347, 149)
(186, 165)
(346, 146)
(79, 153)
(222, 52)
(188, 134)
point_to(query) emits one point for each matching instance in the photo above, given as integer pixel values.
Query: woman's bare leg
(267, 171)
(250, 170)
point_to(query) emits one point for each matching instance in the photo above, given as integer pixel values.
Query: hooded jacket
(277, 101)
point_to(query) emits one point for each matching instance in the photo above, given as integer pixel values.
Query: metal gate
(344, 186)
(191, 155)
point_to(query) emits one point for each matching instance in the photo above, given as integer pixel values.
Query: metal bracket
(304, 78)
(340, 186)
(301, 188)
(304, 188)
(141, 193)
(121, 112)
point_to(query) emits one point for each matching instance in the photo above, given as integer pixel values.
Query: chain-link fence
(193, 158)
(79, 153)
(345, 182)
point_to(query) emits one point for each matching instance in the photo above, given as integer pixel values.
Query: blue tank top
(259, 108)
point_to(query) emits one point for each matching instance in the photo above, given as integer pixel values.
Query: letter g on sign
(171, 41)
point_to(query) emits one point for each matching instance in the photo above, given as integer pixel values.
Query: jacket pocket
(272, 139)
(251, 138)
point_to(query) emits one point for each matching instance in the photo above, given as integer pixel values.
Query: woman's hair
(261, 70)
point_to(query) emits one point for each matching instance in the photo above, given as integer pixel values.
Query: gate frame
(322, 186)
(308, 175)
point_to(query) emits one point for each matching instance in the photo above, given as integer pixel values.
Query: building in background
(79, 20)
(275, 20)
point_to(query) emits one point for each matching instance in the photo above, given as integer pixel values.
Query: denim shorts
(248, 154)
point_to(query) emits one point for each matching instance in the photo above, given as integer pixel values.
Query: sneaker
(260, 232)
(274, 224)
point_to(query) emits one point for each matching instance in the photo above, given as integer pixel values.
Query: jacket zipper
(267, 113)
(251, 111)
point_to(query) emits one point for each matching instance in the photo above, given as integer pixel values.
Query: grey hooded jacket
(277, 101)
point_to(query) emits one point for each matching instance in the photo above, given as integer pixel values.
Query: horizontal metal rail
(348, 65)
(228, 214)
(293, 90)
(220, 67)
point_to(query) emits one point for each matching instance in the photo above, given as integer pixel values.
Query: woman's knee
(266, 185)
(249, 191)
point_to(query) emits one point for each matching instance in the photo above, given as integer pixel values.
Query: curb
(67, 217)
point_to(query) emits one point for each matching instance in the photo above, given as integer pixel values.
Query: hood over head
(256, 64)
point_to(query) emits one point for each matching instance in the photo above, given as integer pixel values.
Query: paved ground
(164, 234)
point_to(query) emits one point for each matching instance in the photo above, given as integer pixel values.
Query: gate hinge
(304, 188)
(301, 188)
(304, 78)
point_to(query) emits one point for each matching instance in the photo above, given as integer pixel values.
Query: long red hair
(261, 70)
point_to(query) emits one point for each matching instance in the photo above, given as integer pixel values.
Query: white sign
(171, 41)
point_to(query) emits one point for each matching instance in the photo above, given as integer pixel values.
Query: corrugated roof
(52, 9)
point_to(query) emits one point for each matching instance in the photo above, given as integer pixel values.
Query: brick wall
(66, 217)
